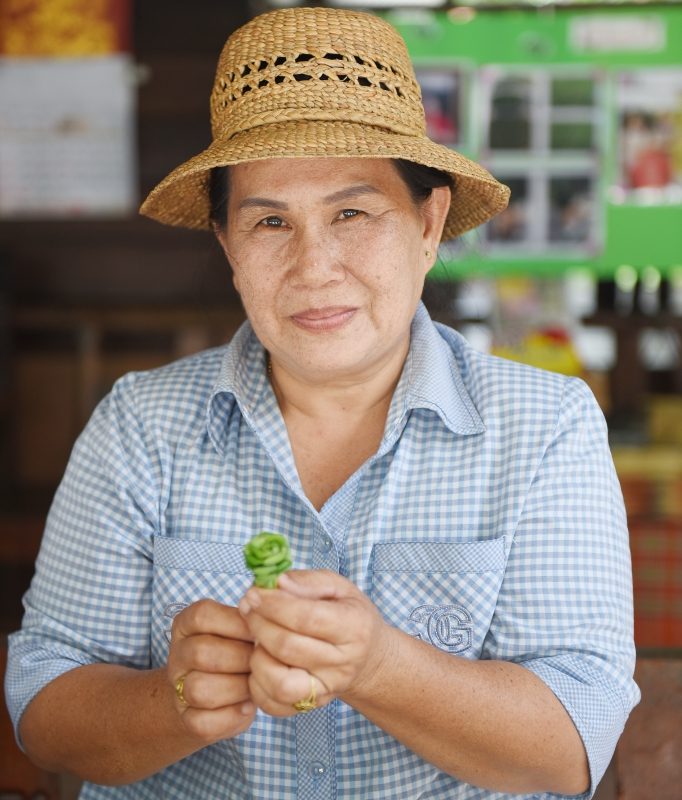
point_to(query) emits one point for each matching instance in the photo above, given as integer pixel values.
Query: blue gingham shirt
(489, 523)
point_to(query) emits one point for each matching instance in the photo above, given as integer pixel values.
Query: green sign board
(579, 111)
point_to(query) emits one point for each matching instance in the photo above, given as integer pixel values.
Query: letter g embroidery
(446, 627)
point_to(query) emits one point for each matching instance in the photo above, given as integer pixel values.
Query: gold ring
(308, 703)
(180, 689)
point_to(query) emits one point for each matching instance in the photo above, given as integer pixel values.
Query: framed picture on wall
(442, 97)
(542, 134)
(649, 107)
(549, 210)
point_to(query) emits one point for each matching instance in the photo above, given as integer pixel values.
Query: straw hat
(311, 82)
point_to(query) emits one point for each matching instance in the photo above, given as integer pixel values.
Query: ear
(435, 212)
(221, 236)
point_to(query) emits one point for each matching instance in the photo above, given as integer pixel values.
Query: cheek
(247, 288)
(256, 292)
(396, 268)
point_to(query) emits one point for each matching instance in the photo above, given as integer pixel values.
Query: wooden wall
(177, 44)
(82, 302)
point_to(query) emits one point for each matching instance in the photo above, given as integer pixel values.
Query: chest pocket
(441, 592)
(185, 571)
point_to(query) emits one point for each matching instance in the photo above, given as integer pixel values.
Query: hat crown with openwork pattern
(312, 64)
(319, 83)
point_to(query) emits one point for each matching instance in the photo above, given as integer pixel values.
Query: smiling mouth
(324, 319)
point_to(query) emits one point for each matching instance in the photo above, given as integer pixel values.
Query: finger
(327, 620)
(275, 687)
(210, 692)
(282, 681)
(266, 702)
(290, 647)
(208, 653)
(315, 584)
(209, 616)
(223, 723)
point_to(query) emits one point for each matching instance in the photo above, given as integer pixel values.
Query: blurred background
(576, 106)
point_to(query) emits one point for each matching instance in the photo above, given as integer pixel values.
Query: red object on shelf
(656, 546)
(639, 495)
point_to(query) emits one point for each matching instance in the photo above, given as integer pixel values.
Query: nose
(315, 260)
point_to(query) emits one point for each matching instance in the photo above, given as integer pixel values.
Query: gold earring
(427, 253)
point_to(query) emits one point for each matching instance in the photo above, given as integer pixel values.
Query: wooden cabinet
(66, 360)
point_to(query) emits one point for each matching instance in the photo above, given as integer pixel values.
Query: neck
(325, 398)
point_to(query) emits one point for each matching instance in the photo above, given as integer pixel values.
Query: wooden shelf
(629, 383)
(20, 536)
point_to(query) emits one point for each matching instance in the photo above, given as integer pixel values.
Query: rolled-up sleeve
(565, 607)
(89, 600)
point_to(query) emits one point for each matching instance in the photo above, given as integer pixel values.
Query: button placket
(317, 770)
(315, 732)
(325, 555)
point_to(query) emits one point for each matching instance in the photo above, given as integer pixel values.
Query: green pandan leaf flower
(267, 555)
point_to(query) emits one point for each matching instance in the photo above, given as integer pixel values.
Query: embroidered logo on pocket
(170, 612)
(446, 627)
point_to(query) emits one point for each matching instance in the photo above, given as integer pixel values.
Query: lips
(324, 319)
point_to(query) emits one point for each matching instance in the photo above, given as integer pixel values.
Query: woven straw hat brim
(182, 199)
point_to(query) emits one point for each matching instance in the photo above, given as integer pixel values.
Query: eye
(349, 213)
(272, 222)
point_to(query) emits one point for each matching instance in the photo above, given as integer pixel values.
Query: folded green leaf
(267, 555)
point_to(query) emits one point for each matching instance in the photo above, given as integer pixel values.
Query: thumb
(314, 584)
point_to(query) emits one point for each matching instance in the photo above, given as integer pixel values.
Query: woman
(459, 622)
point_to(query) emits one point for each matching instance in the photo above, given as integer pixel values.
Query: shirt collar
(431, 379)
(243, 371)
(242, 380)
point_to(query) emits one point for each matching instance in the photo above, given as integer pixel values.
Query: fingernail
(247, 709)
(244, 607)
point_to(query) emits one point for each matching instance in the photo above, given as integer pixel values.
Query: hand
(315, 624)
(211, 646)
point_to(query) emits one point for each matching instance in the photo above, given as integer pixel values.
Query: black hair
(218, 194)
(419, 179)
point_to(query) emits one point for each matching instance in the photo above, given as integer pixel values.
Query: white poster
(67, 137)
(644, 33)
(649, 106)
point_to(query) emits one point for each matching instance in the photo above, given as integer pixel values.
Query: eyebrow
(351, 191)
(343, 194)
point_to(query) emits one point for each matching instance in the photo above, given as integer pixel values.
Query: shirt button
(317, 769)
(326, 544)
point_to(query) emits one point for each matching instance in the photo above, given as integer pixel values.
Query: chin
(331, 367)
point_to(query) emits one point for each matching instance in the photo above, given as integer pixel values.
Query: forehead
(314, 176)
